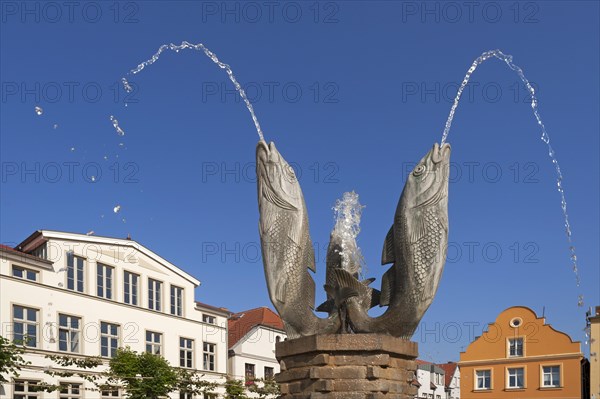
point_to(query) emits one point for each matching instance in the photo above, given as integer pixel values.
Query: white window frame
(69, 394)
(26, 393)
(153, 344)
(26, 324)
(105, 277)
(176, 300)
(513, 343)
(543, 375)
(209, 319)
(483, 378)
(207, 355)
(70, 333)
(186, 353)
(110, 339)
(509, 375)
(155, 294)
(133, 296)
(78, 279)
(25, 273)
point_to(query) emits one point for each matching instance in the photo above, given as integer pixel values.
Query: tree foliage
(11, 360)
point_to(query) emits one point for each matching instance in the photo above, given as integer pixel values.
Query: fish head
(276, 179)
(427, 183)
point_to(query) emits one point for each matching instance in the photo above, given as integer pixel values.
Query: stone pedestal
(347, 366)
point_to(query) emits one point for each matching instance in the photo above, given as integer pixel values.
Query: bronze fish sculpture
(286, 246)
(416, 245)
(337, 295)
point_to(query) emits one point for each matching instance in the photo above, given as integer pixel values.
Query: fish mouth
(441, 153)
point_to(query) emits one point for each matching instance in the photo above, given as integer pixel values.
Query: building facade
(430, 381)
(520, 356)
(81, 296)
(252, 338)
(593, 320)
(452, 380)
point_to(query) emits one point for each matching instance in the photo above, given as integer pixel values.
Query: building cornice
(526, 359)
(112, 241)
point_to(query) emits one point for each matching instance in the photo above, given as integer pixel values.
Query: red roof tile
(449, 369)
(241, 323)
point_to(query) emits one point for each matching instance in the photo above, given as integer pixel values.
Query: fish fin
(271, 196)
(388, 255)
(326, 306)
(417, 228)
(280, 290)
(368, 281)
(347, 293)
(310, 256)
(387, 284)
(345, 279)
(311, 292)
(375, 298)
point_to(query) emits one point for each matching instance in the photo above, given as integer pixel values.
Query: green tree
(11, 360)
(143, 375)
(235, 389)
(265, 388)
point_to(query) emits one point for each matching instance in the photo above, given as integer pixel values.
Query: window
(41, 251)
(269, 373)
(154, 294)
(68, 333)
(104, 278)
(176, 301)
(25, 389)
(249, 372)
(109, 339)
(131, 288)
(551, 376)
(186, 353)
(110, 393)
(515, 377)
(75, 269)
(209, 319)
(515, 347)
(25, 324)
(185, 395)
(69, 391)
(208, 356)
(484, 379)
(25, 274)
(153, 342)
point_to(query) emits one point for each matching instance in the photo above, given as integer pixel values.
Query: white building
(80, 296)
(452, 380)
(252, 337)
(430, 381)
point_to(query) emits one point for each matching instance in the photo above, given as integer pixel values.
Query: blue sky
(352, 93)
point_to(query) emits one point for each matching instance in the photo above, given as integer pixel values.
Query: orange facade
(519, 356)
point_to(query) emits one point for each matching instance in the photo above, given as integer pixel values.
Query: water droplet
(91, 232)
(55, 126)
(126, 86)
(72, 149)
(124, 221)
(580, 301)
(101, 216)
(117, 208)
(93, 178)
(106, 157)
(115, 124)
(39, 110)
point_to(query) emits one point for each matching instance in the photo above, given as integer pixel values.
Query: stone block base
(347, 366)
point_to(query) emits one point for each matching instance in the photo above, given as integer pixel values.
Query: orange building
(520, 356)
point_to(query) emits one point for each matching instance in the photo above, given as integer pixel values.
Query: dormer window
(209, 319)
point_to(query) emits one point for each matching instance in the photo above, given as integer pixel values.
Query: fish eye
(290, 172)
(419, 169)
